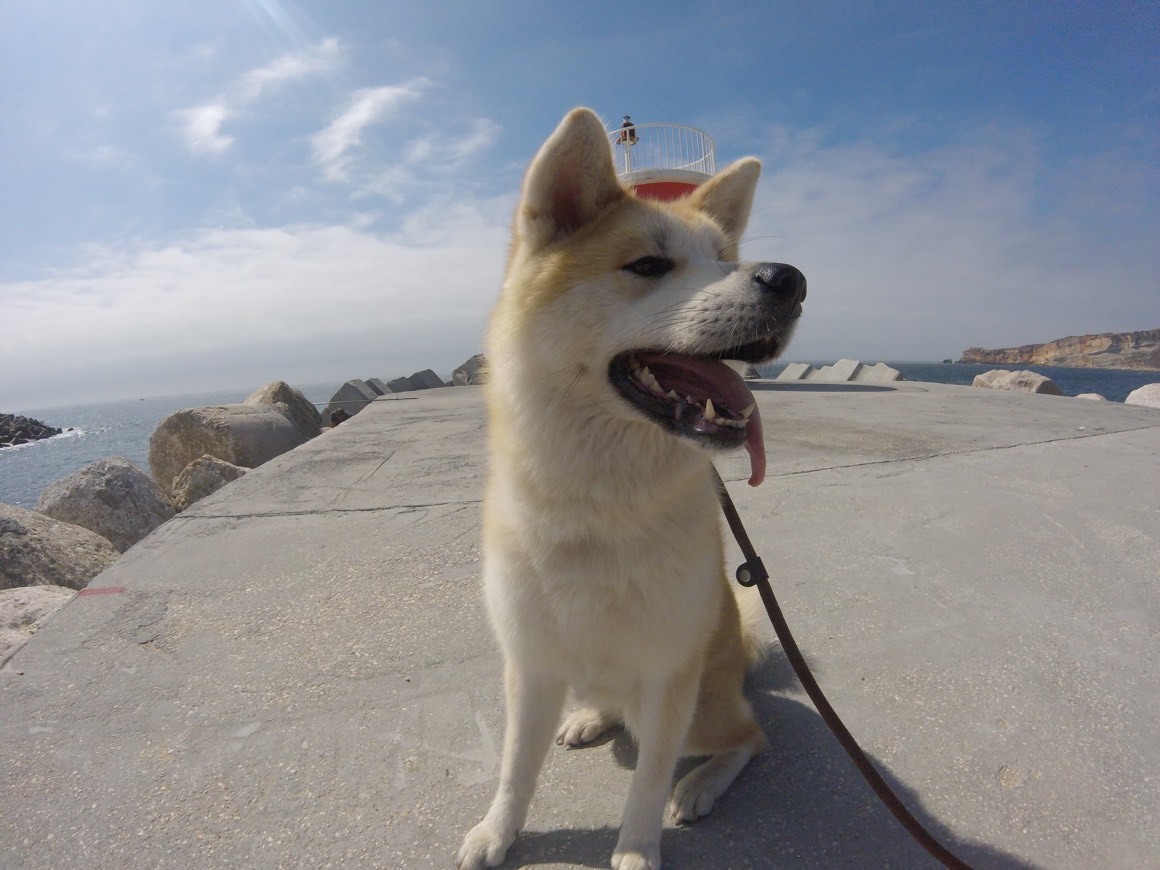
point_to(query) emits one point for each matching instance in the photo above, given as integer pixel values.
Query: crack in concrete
(965, 452)
(401, 508)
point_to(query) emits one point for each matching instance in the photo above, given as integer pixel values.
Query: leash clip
(752, 572)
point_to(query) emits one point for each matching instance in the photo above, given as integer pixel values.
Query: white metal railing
(644, 147)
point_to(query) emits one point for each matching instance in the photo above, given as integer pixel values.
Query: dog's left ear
(570, 181)
(728, 195)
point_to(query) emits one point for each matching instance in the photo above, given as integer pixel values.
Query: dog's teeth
(673, 395)
(745, 414)
(710, 414)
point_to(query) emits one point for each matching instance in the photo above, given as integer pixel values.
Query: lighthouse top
(663, 161)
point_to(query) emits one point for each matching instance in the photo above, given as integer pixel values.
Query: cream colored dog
(604, 562)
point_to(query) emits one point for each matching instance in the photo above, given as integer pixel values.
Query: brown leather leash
(752, 572)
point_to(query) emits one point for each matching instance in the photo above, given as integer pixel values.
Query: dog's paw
(638, 858)
(585, 725)
(699, 789)
(483, 846)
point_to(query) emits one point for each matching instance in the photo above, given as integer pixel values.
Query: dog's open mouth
(696, 397)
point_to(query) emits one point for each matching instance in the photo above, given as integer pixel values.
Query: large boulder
(400, 385)
(202, 477)
(1147, 395)
(1023, 382)
(474, 371)
(242, 434)
(37, 550)
(112, 497)
(24, 609)
(298, 409)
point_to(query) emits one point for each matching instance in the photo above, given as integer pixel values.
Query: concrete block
(880, 373)
(842, 370)
(351, 397)
(795, 372)
(426, 380)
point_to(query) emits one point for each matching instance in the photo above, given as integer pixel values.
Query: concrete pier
(297, 671)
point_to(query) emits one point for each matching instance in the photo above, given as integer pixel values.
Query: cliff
(1108, 350)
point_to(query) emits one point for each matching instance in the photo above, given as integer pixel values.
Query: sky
(208, 195)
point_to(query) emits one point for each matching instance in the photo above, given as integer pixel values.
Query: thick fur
(604, 562)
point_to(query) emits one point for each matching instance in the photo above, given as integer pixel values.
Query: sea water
(102, 431)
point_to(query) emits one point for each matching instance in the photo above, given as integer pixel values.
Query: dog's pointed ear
(728, 195)
(571, 180)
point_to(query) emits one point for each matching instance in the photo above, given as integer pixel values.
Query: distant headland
(1108, 350)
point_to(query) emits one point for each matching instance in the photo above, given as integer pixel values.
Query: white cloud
(223, 307)
(366, 107)
(202, 125)
(919, 257)
(201, 128)
(441, 151)
(315, 60)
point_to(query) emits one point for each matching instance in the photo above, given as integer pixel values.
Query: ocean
(102, 431)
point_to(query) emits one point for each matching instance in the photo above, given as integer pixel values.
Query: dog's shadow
(802, 803)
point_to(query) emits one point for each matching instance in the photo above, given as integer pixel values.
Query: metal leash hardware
(752, 572)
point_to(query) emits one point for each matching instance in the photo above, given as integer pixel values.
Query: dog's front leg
(534, 702)
(660, 722)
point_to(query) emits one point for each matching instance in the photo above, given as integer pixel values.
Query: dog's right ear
(571, 180)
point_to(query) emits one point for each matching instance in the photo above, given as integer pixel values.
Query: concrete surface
(297, 671)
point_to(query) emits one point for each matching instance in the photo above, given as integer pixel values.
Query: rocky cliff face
(1109, 350)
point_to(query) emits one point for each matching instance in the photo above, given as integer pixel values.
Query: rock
(378, 386)
(351, 397)
(241, 434)
(401, 385)
(297, 408)
(426, 380)
(1111, 350)
(1025, 382)
(112, 497)
(15, 430)
(1095, 397)
(202, 477)
(1147, 395)
(24, 609)
(37, 550)
(471, 373)
(795, 372)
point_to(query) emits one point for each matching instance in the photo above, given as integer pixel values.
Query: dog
(603, 552)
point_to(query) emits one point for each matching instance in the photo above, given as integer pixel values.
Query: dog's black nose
(784, 280)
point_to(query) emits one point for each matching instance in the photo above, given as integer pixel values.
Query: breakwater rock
(15, 430)
(1108, 350)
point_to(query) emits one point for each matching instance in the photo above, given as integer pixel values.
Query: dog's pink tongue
(755, 444)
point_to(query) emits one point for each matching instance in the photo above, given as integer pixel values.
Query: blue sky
(200, 195)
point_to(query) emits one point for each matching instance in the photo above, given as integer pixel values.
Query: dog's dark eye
(650, 267)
